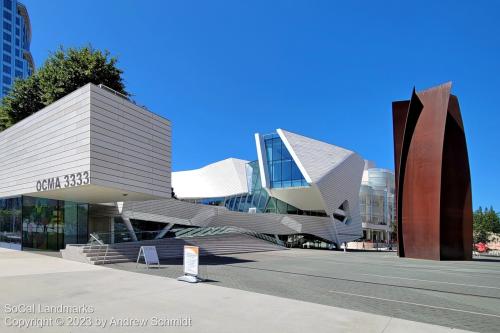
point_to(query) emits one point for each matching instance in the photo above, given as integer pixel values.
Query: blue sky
(223, 70)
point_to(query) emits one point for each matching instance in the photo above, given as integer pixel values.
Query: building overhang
(93, 194)
(304, 198)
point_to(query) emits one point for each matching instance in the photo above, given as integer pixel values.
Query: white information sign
(191, 255)
(150, 255)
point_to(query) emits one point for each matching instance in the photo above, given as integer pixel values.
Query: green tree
(23, 100)
(63, 72)
(485, 223)
(480, 233)
(492, 220)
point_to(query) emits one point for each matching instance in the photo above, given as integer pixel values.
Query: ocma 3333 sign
(69, 180)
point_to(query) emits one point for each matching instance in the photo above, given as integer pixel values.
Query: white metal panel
(124, 148)
(219, 179)
(336, 173)
(262, 158)
(50, 143)
(314, 158)
(130, 146)
(180, 212)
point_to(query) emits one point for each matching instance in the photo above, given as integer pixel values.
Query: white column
(130, 228)
(164, 231)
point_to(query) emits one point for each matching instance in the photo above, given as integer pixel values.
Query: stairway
(168, 248)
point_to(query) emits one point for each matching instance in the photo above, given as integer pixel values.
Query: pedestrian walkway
(125, 301)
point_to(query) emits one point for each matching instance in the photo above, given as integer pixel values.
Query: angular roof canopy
(220, 179)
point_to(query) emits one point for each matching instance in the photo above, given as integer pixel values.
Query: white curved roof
(219, 179)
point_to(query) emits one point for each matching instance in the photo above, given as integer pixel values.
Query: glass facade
(17, 61)
(10, 223)
(377, 197)
(258, 199)
(282, 169)
(43, 224)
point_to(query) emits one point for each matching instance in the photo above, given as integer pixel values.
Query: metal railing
(119, 94)
(95, 240)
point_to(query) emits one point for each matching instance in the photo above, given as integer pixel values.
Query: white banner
(191, 255)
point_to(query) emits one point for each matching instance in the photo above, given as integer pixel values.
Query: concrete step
(169, 248)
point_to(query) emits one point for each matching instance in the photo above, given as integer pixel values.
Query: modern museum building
(95, 162)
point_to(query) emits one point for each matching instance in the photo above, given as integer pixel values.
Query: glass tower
(17, 61)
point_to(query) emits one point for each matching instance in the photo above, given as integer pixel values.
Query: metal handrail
(94, 237)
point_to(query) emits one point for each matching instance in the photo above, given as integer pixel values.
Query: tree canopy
(63, 72)
(485, 222)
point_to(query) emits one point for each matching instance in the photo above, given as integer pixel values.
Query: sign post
(150, 256)
(191, 263)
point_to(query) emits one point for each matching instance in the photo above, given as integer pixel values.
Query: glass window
(19, 74)
(7, 58)
(281, 207)
(286, 153)
(6, 69)
(286, 170)
(7, 4)
(7, 15)
(6, 79)
(276, 167)
(17, 31)
(10, 223)
(41, 223)
(271, 206)
(269, 150)
(282, 168)
(7, 37)
(295, 172)
(19, 63)
(83, 224)
(17, 20)
(50, 224)
(292, 210)
(277, 149)
(70, 222)
(7, 48)
(7, 26)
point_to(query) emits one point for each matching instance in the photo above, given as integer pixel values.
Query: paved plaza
(285, 291)
(463, 295)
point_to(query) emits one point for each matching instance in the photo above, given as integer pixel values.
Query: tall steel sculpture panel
(433, 189)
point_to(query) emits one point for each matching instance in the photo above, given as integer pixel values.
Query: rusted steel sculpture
(433, 189)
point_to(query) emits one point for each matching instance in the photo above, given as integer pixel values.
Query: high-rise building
(17, 61)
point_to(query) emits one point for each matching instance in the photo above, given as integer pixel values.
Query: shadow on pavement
(207, 260)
